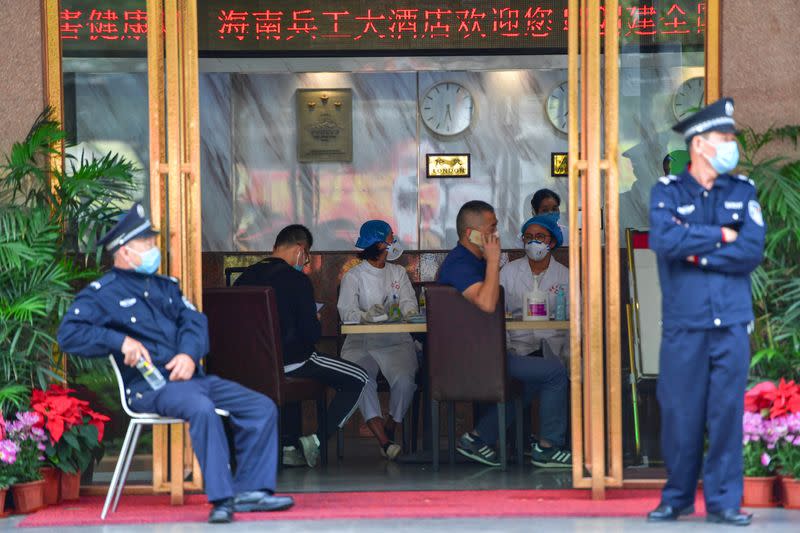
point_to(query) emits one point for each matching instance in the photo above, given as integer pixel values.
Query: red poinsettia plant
(772, 429)
(75, 430)
(773, 400)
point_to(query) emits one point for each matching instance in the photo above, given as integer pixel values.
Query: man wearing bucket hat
(707, 231)
(368, 290)
(133, 314)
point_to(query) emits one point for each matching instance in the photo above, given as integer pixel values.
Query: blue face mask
(151, 260)
(727, 156)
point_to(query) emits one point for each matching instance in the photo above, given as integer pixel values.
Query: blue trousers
(548, 377)
(253, 419)
(703, 375)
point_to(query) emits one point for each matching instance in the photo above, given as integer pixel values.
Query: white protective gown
(394, 354)
(517, 280)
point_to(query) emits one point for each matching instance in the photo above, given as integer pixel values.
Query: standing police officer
(707, 230)
(133, 313)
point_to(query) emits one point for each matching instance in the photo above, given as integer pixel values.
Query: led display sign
(286, 27)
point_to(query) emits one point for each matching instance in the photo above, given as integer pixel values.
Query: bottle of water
(422, 302)
(394, 309)
(151, 374)
(561, 304)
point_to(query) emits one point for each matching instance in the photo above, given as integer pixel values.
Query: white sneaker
(310, 445)
(390, 450)
(293, 457)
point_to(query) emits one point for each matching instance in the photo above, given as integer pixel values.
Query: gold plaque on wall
(447, 165)
(324, 125)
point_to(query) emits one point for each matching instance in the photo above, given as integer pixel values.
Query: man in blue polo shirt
(473, 267)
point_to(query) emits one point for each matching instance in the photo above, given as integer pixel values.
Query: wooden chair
(244, 331)
(467, 362)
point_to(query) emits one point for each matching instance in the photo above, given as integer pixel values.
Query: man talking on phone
(473, 268)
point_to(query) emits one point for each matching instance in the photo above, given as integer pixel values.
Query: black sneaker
(553, 457)
(532, 441)
(474, 448)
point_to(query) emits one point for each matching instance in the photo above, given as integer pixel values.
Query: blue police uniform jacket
(686, 221)
(148, 308)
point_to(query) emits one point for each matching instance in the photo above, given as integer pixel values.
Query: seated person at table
(473, 267)
(537, 270)
(373, 287)
(545, 202)
(300, 330)
(134, 314)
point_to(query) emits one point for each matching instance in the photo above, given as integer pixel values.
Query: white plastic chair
(131, 438)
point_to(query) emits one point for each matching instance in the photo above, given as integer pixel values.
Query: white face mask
(537, 250)
(395, 250)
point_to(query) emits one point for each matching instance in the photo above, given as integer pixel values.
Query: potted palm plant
(47, 217)
(776, 283)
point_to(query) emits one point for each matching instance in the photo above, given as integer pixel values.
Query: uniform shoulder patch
(666, 180)
(102, 282)
(173, 279)
(742, 177)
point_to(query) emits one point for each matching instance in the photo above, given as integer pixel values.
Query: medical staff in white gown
(538, 269)
(368, 290)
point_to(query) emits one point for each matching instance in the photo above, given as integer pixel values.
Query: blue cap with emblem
(714, 117)
(132, 225)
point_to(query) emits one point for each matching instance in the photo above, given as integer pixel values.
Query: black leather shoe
(665, 513)
(731, 517)
(222, 512)
(259, 500)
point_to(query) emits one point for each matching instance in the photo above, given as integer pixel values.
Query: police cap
(714, 117)
(132, 225)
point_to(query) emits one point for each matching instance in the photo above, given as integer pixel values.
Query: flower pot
(3, 502)
(70, 486)
(759, 492)
(52, 485)
(790, 492)
(28, 497)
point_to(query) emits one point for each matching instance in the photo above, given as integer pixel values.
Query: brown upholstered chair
(244, 331)
(466, 353)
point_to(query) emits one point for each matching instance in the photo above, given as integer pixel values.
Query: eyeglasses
(541, 237)
(306, 257)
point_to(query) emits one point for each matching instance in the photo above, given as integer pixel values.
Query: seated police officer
(135, 314)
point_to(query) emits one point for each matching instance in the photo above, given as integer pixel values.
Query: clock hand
(447, 115)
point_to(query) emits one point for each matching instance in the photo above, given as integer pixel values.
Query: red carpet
(365, 505)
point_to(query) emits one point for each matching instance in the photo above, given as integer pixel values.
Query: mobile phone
(476, 238)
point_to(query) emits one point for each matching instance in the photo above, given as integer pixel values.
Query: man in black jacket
(300, 330)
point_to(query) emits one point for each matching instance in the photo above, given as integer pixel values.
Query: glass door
(638, 67)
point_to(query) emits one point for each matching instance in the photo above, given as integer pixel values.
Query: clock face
(447, 108)
(558, 107)
(689, 97)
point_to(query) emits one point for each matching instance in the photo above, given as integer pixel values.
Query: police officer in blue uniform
(707, 231)
(133, 313)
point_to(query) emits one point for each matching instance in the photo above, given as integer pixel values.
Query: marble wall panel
(510, 140)
(271, 189)
(110, 112)
(216, 161)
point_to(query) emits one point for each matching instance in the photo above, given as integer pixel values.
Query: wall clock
(557, 107)
(447, 108)
(689, 98)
